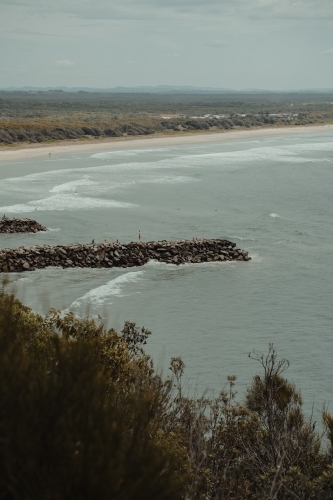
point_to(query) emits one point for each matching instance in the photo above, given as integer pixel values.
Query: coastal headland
(109, 255)
(19, 225)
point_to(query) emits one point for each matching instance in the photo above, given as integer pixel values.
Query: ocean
(271, 196)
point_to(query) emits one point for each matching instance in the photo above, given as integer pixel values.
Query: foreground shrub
(68, 429)
(83, 414)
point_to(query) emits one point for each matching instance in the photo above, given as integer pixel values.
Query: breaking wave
(65, 202)
(99, 297)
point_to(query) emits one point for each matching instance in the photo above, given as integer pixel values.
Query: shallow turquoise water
(273, 197)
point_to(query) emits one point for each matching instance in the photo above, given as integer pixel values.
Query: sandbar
(12, 153)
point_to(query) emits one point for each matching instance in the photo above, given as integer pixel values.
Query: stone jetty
(15, 225)
(108, 255)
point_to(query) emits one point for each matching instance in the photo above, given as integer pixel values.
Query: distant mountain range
(162, 89)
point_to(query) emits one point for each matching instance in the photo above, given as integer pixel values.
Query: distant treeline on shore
(84, 414)
(35, 117)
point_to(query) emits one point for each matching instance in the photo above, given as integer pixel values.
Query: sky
(236, 44)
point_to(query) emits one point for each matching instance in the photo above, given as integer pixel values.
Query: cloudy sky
(271, 44)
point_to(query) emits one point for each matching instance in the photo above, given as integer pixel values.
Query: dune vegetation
(84, 414)
(48, 116)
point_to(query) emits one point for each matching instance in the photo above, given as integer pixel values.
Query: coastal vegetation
(84, 414)
(44, 116)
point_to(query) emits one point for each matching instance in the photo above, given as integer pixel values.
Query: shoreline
(8, 153)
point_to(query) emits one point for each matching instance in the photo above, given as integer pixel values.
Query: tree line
(25, 131)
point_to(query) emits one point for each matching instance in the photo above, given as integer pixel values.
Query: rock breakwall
(108, 255)
(15, 225)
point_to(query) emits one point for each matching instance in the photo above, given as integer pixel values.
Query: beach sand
(12, 153)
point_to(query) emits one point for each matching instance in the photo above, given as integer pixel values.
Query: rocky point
(108, 255)
(15, 225)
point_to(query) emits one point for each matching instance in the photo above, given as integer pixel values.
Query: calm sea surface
(273, 197)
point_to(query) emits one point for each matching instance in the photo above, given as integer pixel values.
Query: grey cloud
(216, 44)
(139, 9)
(137, 42)
(63, 63)
(37, 33)
(165, 41)
(97, 24)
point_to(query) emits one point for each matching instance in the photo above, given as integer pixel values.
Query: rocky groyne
(15, 225)
(108, 255)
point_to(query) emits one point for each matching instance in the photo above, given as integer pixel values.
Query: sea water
(271, 196)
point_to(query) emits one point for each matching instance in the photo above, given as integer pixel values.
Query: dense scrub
(80, 413)
(84, 414)
(53, 116)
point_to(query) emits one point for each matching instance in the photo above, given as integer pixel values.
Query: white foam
(72, 185)
(56, 229)
(186, 265)
(41, 176)
(100, 296)
(39, 179)
(243, 239)
(170, 179)
(274, 215)
(166, 179)
(286, 153)
(110, 154)
(256, 258)
(65, 202)
(311, 146)
(162, 265)
(224, 159)
(132, 152)
(267, 153)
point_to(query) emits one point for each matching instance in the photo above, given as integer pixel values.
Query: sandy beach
(63, 147)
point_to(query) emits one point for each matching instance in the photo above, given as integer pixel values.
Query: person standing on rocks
(139, 236)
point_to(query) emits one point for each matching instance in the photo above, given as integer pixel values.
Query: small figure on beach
(93, 241)
(139, 236)
(105, 241)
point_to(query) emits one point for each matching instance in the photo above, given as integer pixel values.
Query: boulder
(19, 225)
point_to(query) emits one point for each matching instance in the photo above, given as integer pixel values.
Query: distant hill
(162, 89)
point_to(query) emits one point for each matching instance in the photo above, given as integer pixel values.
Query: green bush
(83, 414)
(68, 427)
